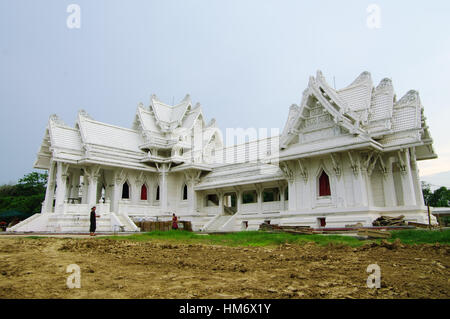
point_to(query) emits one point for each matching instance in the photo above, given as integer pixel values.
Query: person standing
(93, 220)
(174, 221)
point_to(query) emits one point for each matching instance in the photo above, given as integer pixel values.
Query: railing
(84, 209)
(76, 209)
(211, 209)
(138, 209)
(250, 207)
(273, 206)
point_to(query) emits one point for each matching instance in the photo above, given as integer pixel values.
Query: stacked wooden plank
(287, 229)
(389, 221)
(147, 226)
(373, 233)
(420, 225)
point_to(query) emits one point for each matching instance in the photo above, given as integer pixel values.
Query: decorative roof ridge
(384, 83)
(54, 118)
(110, 125)
(294, 107)
(320, 79)
(185, 100)
(364, 78)
(412, 96)
(82, 113)
(211, 124)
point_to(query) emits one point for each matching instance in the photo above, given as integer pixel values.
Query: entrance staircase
(217, 223)
(74, 223)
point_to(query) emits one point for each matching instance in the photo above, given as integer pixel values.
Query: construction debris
(146, 226)
(389, 221)
(286, 229)
(372, 233)
(420, 225)
(354, 225)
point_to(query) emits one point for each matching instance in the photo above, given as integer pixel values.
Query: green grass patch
(260, 238)
(247, 238)
(422, 236)
(34, 237)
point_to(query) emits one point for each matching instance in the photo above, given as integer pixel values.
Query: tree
(439, 198)
(427, 193)
(26, 196)
(33, 183)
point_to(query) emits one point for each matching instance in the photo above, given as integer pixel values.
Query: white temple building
(344, 156)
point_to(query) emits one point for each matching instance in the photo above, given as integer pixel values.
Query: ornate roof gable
(357, 96)
(169, 117)
(321, 107)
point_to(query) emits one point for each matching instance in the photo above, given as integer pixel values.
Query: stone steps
(218, 223)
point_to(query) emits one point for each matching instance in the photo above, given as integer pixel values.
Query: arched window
(143, 192)
(157, 193)
(185, 192)
(125, 191)
(324, 185)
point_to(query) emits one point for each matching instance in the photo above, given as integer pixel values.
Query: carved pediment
(322, 114)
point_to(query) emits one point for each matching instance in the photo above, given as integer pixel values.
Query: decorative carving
(353, 164)
(83, 113)
(385, 83)
(55, 118)
(303, 170)
(410, 97)
(366, 163)
(336, 168)
(401, 162)
(192, 177)
(120, 177)
(287, 171)
(371, 165)
(413, 158)
(92, 173)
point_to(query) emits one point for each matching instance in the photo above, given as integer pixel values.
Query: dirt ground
(36, 268)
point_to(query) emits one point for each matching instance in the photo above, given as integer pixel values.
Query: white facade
(345, 156)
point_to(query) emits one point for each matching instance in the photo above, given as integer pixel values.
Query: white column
(409, 197)
(259, 193)
(75, 184)
(84, 189)
(116, 195)
(359, 188)
(221, 208)
(340, 190)
(135, 189)
(192, 196)
(92, 190)
(61, 185)
(291, 195)
(50, 191)
(416, 180)
(368, 179)
(238, 201)
(390, 199)
(163, 187)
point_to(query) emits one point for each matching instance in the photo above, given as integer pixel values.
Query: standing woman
(174, 221)
(93, 225)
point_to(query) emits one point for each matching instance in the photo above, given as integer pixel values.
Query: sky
(245, 61)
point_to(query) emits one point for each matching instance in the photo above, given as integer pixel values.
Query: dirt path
(36, 268)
